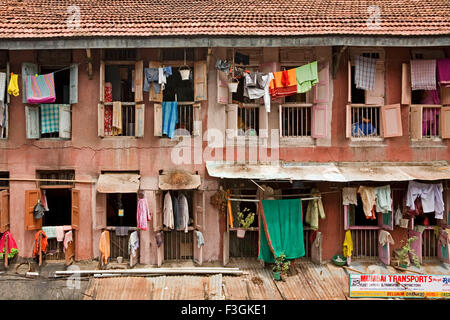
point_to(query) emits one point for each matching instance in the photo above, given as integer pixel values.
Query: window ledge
(119, 137)
(297, 141)
(428, 143)
(367, 142)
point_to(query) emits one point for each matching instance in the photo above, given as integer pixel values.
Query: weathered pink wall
(88, 154)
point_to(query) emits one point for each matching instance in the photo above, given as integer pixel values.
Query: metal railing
(185, 119)
(178, 245)
(366, 121)
(248, 121)
(430, 122)
(365, 243)
(296, 120)
(429, 245)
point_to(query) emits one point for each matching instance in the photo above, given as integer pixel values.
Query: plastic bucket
(184, 72)
(277, 275)
(232, 86)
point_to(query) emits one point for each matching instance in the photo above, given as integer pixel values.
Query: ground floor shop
(182, 221)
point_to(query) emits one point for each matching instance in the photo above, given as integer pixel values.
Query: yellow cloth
(348, 244)
(104, 246)
(13, 87)
(315, 209)
(117, 118)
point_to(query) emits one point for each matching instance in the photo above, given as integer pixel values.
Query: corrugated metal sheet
(335, 172)
(306, 281)
(118, 183)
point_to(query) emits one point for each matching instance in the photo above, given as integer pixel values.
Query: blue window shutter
(27, 69)
(73, 83)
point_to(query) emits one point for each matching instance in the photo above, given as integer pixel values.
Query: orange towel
(104, 246)
(36, 243)
(230, 214)
(284, 83)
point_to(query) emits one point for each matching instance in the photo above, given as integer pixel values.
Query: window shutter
(223, 93)
(157, 119)
(445, 95)
(348, 121)
(4, 211)
(199, 216)
(197, 120)
(384, 252)
(346, 217)
(158, 218)
(391, 118)
(32, 122)
(416, 122)
(349, 81)
(445, 122)
(232, 115)
(138, 81)
(226, 246)
(7, 121)
(139, 121)
(31, 199)
(280, 119)
(377, 95)
(263, 122)
(8, 77)
(416, 245)
(321, 89)
(443, 247)
(102, 81)
(27, 69)
(101, 120)
(406, 84)
(75, 209)
(200, 81)
(152, 96)
(74, 83)
(319, 121)
(65, 121)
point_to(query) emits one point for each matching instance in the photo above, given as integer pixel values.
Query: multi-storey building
(91, 175)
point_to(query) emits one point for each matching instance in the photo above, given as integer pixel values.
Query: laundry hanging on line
(40, 88)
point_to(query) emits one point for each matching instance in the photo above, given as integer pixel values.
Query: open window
(121, 111)
(364, 108)
(429, 111)
(180, 242)
(185, 88)
(366, 231)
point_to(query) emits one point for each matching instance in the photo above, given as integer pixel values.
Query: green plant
(248, 220)
(403, 253)
(281, 264)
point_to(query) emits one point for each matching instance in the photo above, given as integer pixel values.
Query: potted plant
(404, 252)
(281, 267)
(246, 219)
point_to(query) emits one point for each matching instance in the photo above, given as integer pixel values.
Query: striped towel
(365, 72)
(41, 88)
(423, 74)
(49, 118)
(50, 232)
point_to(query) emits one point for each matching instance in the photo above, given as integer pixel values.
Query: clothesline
(255, 200)
(62, 69)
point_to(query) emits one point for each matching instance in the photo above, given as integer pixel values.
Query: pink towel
(59, 233)
(443, 72)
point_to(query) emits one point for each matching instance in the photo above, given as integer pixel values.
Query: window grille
(366, 121)
(430, 122)
(248, 121)
(296, 121)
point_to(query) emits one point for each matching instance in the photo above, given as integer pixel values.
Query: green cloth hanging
(281, 229)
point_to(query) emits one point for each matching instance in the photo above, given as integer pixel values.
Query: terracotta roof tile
(113, 18)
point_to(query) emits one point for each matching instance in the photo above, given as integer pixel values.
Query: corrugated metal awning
(333, 172)
(118, 183)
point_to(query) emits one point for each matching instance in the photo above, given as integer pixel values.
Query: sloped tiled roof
(149, 18)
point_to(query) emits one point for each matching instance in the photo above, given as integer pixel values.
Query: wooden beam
(89, 62)
(191, 270)
(337, 54)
